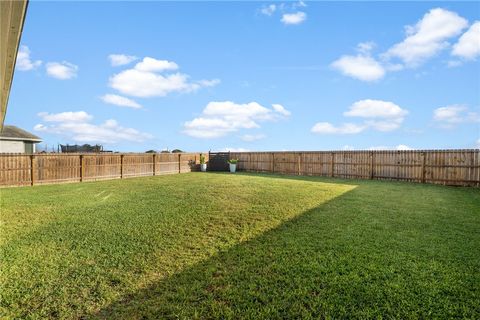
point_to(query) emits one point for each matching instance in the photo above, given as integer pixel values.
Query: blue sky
(250, 75)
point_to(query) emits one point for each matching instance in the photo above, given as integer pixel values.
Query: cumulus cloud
(221, 118)
(361, 67)
(148, 79)
(427, 37)
(381, 115)
(452, 115)
(77, 126)
(424, 40)
(346, 128)
(62, 70)
(280, 109)
(120, 59)
(468, 46)
(294, 18)
(377, 114)
(154, 65)
(24, 62)
(370, 108)
(120, 101)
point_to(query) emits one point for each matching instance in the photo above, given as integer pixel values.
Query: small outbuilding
(16, 140)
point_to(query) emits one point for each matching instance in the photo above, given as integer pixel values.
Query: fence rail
(449, 167)
(23, 169)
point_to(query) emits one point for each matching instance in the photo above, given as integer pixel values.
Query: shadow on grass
(333, 261)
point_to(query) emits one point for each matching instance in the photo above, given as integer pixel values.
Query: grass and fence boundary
(23, 169)
(449, 167)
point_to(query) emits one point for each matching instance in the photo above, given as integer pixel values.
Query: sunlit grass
(231, 246)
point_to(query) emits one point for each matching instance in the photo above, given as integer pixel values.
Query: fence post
(273, 162)
(332, 165)
(81, 168)
(179, 163)
(423, 167)
(121, 166)
(32, 172)
(299, 163)
(371, 164)
(154, 163)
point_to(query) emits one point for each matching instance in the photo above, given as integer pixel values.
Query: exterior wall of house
(11, 146)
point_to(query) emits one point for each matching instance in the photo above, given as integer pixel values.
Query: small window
(28, 147)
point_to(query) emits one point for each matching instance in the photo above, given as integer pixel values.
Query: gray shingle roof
(12, 132)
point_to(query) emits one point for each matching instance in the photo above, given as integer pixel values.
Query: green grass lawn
(204, 245)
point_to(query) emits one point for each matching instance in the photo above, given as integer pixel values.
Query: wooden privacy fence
(449, 167)
(22, 169)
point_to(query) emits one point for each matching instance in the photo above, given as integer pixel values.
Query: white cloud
(468, 46)
(449, 116)
(478, 143)
(280, 109)
(328, 128)
(69, 116)
(403, 147)
(268, 10)
(365, 47)
(398, 147)
(120, 59)
(252, 137)
(362, 67)
(145, 80)
(428, 37)
(220, 118)
(77, 127)
(154, 65)
(378, 114)
(24, 62)
(207, 128)
(294, 18)
(370, 108)
(381, 115)
(348, 148)
(120, 101)
(62, 70)
(424, 40)
(206, 83)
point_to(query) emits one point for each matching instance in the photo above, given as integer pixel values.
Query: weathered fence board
(23, 169)
(449, 167)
